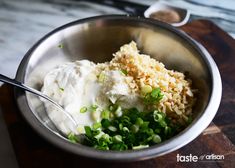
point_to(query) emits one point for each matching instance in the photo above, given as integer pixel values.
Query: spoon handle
(18, 84)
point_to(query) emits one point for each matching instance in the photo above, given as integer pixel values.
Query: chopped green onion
(140, 147)
(118, 111)
(105, 123)
(88, 131)
(163, 123)
(83, 109)
(105, 114)
(132, 130)
(97, 125)
(95, 132)
(120, 126)
(106, 139)
(111, 107)
(145, 125)
(111, 115)
(167, 130)
(153, 97)
(157, 116)
(95, 115)
(155, 92)
(135, 128)
(150, 131)
(112, 128)
(104, 147)
(125, 129)
(105, 136)
(119, 146)
(61, 46)
(160, 118)
(80, 129)
(124, 71)
(62, 89)
(72, 137)
(146, 89)
(156, 139)
(139, 121)
(149, 139)
(117, 138)
(93, 107)
(101, 77)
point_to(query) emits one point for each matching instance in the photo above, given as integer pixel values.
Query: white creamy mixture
(81, 84)
(130, 79)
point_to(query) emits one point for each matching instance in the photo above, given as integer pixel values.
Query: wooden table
(219, 138)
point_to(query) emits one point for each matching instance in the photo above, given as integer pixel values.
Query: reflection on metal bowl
(96, 39)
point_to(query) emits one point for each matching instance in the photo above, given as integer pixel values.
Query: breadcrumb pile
(178, 98)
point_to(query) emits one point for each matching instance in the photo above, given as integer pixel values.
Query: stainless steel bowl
(96, 39)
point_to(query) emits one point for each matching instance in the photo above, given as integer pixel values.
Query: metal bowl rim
(183, 138)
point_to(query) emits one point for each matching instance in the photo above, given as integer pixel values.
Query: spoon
(20, 85)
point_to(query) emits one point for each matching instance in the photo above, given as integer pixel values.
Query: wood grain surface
(32, 151)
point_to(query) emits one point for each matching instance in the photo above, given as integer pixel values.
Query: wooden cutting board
(32, 151)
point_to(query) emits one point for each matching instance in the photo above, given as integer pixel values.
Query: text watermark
(203, 158)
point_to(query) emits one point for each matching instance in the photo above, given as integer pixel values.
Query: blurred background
(23, 22)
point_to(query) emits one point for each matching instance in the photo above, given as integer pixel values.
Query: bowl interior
(97, 39)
